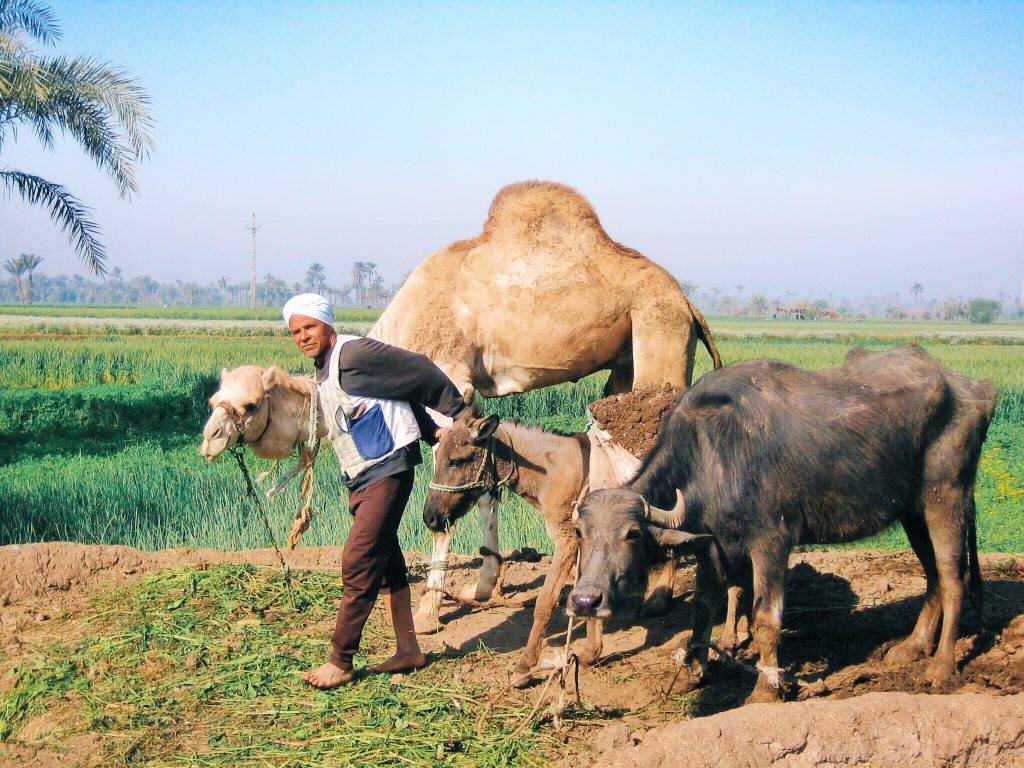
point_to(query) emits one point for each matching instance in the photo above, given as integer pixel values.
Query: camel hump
(533, 205)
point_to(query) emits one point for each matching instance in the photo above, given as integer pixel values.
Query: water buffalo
(762, 456)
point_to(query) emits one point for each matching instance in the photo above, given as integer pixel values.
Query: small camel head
(458, 460)
(240, 406)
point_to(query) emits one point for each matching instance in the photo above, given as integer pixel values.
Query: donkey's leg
(491, 568)
(427, 618)
(562, 562)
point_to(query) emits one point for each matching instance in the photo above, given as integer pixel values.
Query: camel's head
(463, 470)
(241, 408)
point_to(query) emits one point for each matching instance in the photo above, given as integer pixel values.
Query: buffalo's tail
(975, 588)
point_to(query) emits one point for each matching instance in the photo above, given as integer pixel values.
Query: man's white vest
(364, 431)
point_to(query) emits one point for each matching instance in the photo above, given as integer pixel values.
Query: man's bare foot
(328, 676)
(400, 662)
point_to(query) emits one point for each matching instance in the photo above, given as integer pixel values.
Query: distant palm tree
(316, 277)
(16, 269)
(100, 106)
(688, 288)
(917, 289)
(30, 261)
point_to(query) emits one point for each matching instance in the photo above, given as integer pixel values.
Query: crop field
(99, 434)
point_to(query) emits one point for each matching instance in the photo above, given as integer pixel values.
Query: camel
(266, 409)
(541, 296)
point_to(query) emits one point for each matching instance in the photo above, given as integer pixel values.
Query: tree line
(366, 288)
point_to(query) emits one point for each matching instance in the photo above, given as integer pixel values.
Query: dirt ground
(843, 610)
(633, 419)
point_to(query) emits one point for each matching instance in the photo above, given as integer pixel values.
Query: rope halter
(487, 478)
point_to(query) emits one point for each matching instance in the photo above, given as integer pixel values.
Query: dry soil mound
(633, 419)
(878, 729)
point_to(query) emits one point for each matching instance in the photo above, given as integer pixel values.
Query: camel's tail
(700, 325)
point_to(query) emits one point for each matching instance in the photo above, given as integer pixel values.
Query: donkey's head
(464, 469)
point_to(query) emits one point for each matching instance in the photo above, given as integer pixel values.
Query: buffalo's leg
(561, 565)
(427, 618)
(922, 638)
(660, 599)
(944, 514)
(769, 590)
(706, 602)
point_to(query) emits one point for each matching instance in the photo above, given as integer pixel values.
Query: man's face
(311, 336)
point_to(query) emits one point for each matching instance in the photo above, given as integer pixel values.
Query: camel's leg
(922, 638)
(769, 592)
(427, 618)
(660, 600)
(489, 571)
(663, 344)
(620, 379)
(562, 562)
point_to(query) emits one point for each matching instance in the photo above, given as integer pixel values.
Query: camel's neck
(538, 456)
(289, 421)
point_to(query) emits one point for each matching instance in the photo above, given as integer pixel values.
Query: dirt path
(843, 610)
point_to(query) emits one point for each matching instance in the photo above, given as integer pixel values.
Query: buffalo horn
(667, 518)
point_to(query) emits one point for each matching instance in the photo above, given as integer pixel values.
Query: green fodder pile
(199, 668)
(99, 437)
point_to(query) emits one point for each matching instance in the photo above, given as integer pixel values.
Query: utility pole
(252, 262)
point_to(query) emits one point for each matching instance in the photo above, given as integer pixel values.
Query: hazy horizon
(816, 148)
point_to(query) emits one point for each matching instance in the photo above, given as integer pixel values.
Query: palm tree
(917, 289)
(689, 289)
(29, 262)
(316, 277)
(99, 105)
(16, 269)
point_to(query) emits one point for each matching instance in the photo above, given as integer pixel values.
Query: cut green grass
(199, 668)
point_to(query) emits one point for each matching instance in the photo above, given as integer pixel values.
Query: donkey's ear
(484, 428)
(271, 377)
(223, 373)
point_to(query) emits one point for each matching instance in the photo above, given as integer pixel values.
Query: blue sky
(846, 148)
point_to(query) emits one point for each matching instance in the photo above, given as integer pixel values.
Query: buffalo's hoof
(906, 652)
(764, 693)
(940, 674)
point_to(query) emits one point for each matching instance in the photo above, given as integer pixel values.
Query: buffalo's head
(619, 535)
(464, 470)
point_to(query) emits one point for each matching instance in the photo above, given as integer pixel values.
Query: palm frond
(32, 17)
(65, 209)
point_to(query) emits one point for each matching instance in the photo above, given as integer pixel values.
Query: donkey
(551, 472)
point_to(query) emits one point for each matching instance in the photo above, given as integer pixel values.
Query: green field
(99, 434)
(341, 314)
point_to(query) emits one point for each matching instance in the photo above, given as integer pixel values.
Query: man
(372, 396)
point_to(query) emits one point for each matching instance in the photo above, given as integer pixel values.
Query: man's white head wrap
(310, 305)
